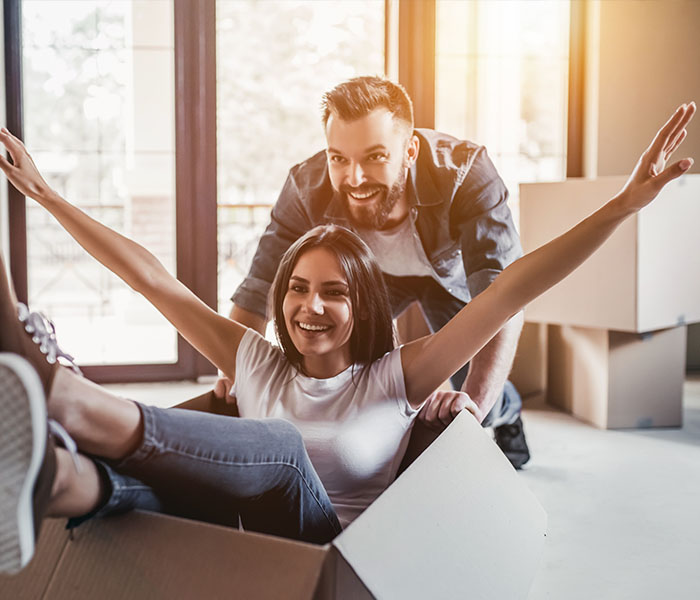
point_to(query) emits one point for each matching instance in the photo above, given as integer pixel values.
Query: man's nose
(356, 175)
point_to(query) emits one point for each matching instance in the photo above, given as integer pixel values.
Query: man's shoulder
(444, 151)
(310, 185)
(311, 171)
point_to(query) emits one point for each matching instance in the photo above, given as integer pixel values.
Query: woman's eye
(337, 159)
(336, 293)
(299, 289)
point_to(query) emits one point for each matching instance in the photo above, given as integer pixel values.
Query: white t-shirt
(355, 433)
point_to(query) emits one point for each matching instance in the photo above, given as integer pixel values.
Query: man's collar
(420, 189)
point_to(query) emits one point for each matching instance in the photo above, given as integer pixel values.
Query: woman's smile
(318, 313)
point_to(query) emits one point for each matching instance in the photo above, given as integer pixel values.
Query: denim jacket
(457, 206)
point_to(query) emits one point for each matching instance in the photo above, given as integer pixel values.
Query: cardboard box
(459, 522)
(529, 372)
(642, 279)
(617, 380)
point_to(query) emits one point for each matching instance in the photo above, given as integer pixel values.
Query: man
(432, 208)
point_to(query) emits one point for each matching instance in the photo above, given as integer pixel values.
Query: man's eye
(377, 156)
(337, 159)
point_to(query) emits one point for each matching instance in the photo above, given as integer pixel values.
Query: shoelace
(44, 333)
(68, 442)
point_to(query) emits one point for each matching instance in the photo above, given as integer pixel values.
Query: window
(275, 58)
(502, 77)
(98, 118)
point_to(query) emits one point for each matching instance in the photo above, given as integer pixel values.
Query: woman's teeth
(310, 327)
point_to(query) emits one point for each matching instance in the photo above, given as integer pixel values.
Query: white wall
(643, 59)
(647, 57)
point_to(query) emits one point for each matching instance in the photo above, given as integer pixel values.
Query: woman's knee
(286, 435)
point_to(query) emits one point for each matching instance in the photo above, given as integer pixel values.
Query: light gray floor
(623, 506)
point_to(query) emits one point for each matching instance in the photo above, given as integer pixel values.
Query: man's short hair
(357, 97)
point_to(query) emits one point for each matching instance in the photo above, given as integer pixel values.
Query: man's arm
(489, 369)
(249, 319)
(288, 221)
(490, 242)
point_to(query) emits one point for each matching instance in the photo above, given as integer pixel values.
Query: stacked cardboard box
(613, 364)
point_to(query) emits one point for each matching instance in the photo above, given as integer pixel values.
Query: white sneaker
(27, 461)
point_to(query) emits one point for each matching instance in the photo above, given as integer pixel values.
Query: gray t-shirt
(398, 250)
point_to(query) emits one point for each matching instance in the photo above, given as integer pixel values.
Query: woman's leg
(77, 488)
(255, 461)
(214, 468)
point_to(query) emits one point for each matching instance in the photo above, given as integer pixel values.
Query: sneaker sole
(23, 428)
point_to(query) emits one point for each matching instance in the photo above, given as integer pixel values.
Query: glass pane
(502, 81)
(98, 112)
(275, 58)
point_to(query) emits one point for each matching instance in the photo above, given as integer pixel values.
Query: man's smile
(364, 194)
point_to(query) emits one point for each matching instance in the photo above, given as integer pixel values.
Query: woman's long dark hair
(372, 333)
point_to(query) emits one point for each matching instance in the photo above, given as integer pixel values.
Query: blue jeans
(216, 469)
(439, 307)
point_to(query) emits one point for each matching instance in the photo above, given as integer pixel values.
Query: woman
(338, 381)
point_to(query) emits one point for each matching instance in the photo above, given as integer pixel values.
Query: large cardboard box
(529, 372)
(618, 380)
(458, 523)
(642, 279)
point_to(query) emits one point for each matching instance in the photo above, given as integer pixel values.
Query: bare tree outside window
(502, 77)
(97, 80)
(275, 58)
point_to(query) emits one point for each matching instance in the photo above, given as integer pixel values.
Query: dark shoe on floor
(29, 334)
(511, 439)
(27, 461)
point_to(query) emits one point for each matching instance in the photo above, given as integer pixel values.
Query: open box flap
(151, 557)
(459, 521)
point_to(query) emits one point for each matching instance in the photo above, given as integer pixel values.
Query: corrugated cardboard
(529, 372)
(458, 523)
(615, 379)
(641, 279)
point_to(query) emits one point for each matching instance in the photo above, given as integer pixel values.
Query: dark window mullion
(195, 111)
(17, 214)
(417, 23)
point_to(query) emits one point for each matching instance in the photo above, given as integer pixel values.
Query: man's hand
(222, 390)
(443, 406)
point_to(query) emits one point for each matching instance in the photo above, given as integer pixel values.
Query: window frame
(195, 176)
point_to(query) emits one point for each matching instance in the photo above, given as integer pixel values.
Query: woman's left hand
(650, 173)
(22, 171)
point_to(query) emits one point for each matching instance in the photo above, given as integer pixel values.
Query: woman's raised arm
(431, 360)
(216, 337)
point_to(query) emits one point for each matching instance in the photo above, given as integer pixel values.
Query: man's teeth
(363, 195)
(310, 327)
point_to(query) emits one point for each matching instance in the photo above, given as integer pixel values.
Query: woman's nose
(314, 304)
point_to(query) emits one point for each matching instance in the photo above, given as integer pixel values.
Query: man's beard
(375, 214)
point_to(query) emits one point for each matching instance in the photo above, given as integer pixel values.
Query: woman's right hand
(22, 172)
